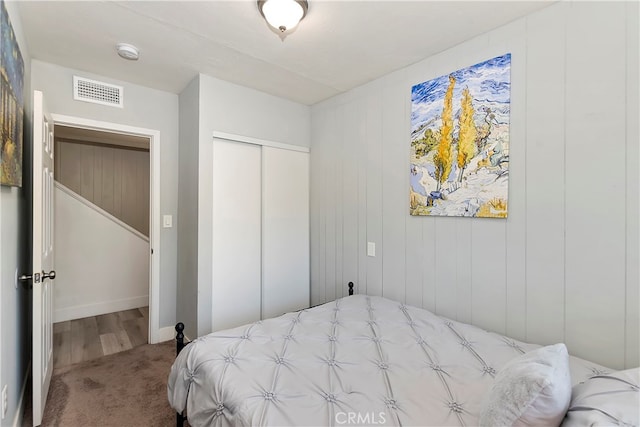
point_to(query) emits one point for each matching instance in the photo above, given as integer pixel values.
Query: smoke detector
(128, 51)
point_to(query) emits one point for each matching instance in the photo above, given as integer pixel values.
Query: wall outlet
(5, 400)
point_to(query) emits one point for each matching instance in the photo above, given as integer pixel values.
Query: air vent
(97, 92)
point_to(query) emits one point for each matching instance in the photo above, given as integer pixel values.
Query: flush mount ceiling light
(283, 15)
(127, 51)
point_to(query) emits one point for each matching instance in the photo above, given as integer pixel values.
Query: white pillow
(608, 399)
(533, 389)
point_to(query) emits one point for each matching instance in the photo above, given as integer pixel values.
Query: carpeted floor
(122, 389)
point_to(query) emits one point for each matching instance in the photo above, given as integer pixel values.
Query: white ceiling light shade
(283, 15)
(128, 51)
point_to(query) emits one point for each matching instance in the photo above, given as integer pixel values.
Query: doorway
(132, 136)
(102, 213)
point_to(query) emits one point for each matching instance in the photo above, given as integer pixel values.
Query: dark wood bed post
(179, 337)
(179, 419)
(179, 347)
(350, 288)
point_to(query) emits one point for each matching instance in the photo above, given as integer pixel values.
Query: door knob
(51, 275)
(27, 277)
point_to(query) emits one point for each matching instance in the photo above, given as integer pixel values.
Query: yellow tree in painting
(467, 134)
(442, 158)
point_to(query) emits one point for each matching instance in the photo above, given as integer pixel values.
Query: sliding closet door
(285, 231)
(236, 234)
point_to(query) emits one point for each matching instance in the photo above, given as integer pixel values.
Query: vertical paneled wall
(595, 179)
(564, 266)
(114, 178)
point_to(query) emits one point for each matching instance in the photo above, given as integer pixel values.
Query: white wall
(15, 312)
(564, 265)
(234, 109)
(229, 108)
(14, 301)
(102, 264)
(143, 107)
(187, 290)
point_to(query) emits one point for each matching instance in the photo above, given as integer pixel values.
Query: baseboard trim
(17, 419)
(88, 310)
(167, 333)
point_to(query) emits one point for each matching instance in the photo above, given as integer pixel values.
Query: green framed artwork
(11, 102)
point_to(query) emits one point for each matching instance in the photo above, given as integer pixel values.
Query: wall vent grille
(97, 92)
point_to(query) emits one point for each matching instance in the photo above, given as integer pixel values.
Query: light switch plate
(167, 221)
(371, 249)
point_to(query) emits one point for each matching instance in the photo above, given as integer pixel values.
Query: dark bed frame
(180, 344)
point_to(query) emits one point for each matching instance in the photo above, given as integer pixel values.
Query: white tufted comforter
(358, 360)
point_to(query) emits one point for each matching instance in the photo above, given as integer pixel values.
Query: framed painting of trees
(460, 142)
(12, 103)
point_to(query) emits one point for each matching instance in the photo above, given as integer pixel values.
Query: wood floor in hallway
(92, 337)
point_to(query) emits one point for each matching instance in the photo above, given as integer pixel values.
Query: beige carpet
(122, 389)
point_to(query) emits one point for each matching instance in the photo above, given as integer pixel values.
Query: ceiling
(338, 46)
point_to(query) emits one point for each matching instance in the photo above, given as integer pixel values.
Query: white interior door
(236, 234)
(43, 259)
(285, 231)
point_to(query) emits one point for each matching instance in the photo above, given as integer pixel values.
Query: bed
(361, 360)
